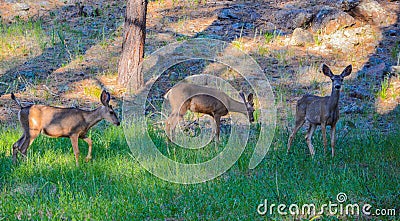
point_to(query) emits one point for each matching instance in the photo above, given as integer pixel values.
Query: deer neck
(235, 106)
(333, 101)
(93, 117)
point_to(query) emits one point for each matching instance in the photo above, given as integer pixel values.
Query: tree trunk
(129, 67)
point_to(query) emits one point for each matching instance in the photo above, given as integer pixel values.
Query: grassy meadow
(113, 186)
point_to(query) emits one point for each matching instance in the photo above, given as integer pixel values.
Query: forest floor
(54, 52)
(63, 58)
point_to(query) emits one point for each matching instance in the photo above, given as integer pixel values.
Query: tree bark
(129, 67)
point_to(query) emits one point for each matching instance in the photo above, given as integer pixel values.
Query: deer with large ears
(206, 100)
(320, 111)
(61, 122)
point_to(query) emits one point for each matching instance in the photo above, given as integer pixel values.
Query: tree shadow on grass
(72, 35)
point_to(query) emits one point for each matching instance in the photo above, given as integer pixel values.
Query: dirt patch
(84, 56)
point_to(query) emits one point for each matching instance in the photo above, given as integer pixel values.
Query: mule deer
(320, 111)
(61, 122)
(200, 99)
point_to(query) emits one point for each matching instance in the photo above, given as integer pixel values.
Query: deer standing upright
(320, 111)
(61, 122)
(200, 99)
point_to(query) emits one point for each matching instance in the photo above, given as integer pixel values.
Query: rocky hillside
(79, 47)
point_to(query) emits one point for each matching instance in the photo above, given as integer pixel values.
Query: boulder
(21, 7)
(293, 18)
(227, 13)
(371, 10)
(241, 12)
(377, 71)
(243, 25)
(301, 37)
(331, 19)
(348, 5)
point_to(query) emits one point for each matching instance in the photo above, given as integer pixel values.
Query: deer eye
(111, 112)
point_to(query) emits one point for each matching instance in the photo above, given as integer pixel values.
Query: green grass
(384, 88)
(270, 36)
(22, 38)
(113, 186)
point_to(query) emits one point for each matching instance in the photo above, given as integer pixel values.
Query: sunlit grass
(113, 185)
(22, 38)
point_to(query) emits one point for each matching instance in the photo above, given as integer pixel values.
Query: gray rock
(294, 18)
(241, 25)
(301, 37)
(371, 10)
(21, 14)
(227, 13)
(331, 19)
(376, 71)
(44, 4)
(344, 40)
(21, 7)
(216, 28)
(252, 15)
(269, 26)
(348, 5)
(10, 1)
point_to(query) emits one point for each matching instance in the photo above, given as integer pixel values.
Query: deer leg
(175, 122)
(172, 121)
(323, 129)
(29, 138)
(309, 139)
(17, 146)
(333, 131)
(299, 123)
(217, 119)
(168, 125)
(308, 131)
(74, 142)
(89, 142)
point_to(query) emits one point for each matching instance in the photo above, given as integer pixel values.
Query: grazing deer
(320, 111)
(213, 102)
(61, 122)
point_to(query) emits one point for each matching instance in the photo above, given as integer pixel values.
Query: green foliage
(270, 36)
(113, 185)
(383, 92)
(16, 38)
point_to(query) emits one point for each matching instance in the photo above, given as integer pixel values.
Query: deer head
(107, 111)
(337, 80)
(249, 105)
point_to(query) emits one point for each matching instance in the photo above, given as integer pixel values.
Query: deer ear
(250, 98)
(346, 72)
(326, 70)
(105, 98)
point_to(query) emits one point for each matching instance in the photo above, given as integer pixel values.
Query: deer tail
(16, 100)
